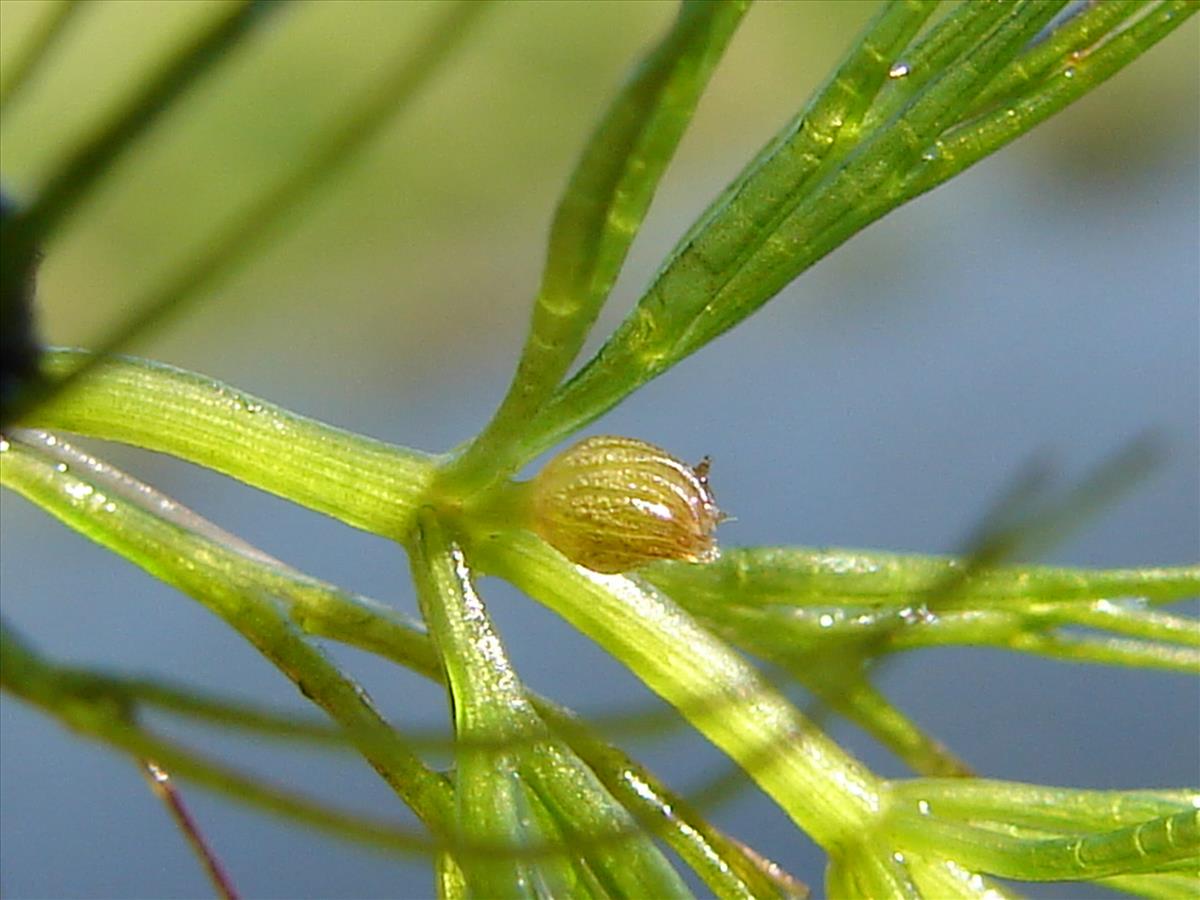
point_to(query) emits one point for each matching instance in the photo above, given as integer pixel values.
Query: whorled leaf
(597, 219)
(187, 551)
(789, 210)
(104, 505)
(496, 786)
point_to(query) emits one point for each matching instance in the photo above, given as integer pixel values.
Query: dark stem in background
(38, 49)
(23, 231)
(244, 238)
(160, 783)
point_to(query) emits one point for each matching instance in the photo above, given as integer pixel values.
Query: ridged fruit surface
(615, 503)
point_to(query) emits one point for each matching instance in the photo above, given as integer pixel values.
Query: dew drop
(899, 70)
(826, 620)
(923, 807)
(60, 467)
(1069, 72)
(79, 491)
(4, 445)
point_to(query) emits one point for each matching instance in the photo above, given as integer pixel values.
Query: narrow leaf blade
(599, 215)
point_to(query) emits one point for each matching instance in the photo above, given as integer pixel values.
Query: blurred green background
(1044, 302)
(434, 237)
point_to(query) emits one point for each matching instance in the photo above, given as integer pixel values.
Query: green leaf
(1164, 844)
(1076, 75)
(507, 751)
(947, 44)
(1035, 833)
(811, 189)
(823, 790)
(26, 675)
(1040, 806)
(743, 213)
(811, 576)
(599, 216)
(1089, 23)
(803, 225)
(194, 555)
(812, 139)
(37, 49)
(79, 174)
(823, 615)
(363, 482)
(128, 518)
(798, 607)
(238, 241)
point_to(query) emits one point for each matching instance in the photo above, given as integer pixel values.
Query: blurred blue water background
(1046, 304)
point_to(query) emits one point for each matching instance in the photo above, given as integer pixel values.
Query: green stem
(597, 219)
(365, 483)
(322, 609)
(1039, 806)
(491, 714)
(824, 790)
(102, 504)
(1161, 844)
(490, 704)
(804, 576)
(26, 676)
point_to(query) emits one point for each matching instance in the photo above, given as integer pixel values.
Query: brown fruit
(614, 503)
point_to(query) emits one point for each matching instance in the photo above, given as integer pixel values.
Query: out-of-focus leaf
(103, 504)
(237, 242)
